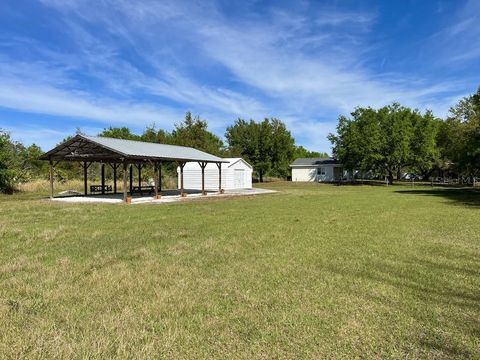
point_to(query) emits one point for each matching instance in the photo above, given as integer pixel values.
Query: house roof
(314, 162)
(95, 148)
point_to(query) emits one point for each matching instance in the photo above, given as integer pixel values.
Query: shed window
(321, 171)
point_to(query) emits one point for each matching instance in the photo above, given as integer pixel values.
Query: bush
(7, 174)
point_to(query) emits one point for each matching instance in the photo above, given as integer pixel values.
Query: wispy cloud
(458, 41)
(138, 62)
(52, 101)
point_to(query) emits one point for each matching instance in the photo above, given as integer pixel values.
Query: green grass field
(314, 271)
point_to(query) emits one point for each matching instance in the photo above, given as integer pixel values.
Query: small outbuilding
(318, 170)
(236, 174)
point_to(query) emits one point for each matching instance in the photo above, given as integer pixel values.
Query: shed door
(239, 179)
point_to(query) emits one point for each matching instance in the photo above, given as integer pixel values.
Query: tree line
(389, 141)
(267, 145)
(394, 139)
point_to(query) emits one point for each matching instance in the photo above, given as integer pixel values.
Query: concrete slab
(168, 197)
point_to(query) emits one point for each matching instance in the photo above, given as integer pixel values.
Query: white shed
(236, 174)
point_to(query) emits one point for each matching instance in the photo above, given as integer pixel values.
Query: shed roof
(227, 163)
(233, 161)
(95, 148)
(314, 161)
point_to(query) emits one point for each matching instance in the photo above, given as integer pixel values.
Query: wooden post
(182, 193)
(140, 176)
(131, 179)
(115, 166)
(51, 179)
(125, 181)
(203, 165)
(203, 178)
(220, 190)
(155, 177)
(103, 178)
(85, 187)
(160, 176)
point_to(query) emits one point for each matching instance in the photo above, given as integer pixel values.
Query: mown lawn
(314, 271)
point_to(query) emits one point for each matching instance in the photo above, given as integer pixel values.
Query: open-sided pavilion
(124, 155)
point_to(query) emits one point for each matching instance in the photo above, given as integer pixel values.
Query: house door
(238, 179)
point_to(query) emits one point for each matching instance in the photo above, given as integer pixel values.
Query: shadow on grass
(360, 183)
(462, 196)
(427, 284)
(442, 349)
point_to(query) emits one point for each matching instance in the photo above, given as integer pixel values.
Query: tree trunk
(390, 177)
(260, 174)
(427, 174)
(399, 173)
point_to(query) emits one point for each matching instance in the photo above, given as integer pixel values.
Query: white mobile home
(236, 174)
(318, 170)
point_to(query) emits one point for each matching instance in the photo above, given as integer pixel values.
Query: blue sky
(67, 64)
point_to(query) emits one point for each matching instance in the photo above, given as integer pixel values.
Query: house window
(321, 171)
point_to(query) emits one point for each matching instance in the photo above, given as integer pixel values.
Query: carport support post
(140, 177)
(160, 176)
(115, 165)
(219, 165)
(125, 182)
(103, 178)
(51, 179)
(131, 178)
(182, 165)
(85, 188)
(155, 177)
(203, 165)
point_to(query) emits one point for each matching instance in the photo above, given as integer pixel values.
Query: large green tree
(389, 140)
(18, 163)
(7, 163)
(459, 137)
(194, 132)
(357, 142)
(301, 152)
(424, 150)
(29, 163)
(119, 133)
(267, 145)
(152, 134)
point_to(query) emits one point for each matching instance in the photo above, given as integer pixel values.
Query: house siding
(309, 173)
(304, 173)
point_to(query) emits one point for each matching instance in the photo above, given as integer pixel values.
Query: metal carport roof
(95, 148)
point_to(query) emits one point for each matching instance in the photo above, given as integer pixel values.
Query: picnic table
(100, 188)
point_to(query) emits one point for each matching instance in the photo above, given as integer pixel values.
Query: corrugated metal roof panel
(146, 149)
(140, 149)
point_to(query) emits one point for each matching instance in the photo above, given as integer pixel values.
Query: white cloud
(46, 138)
(304, 66)
(53, 101)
